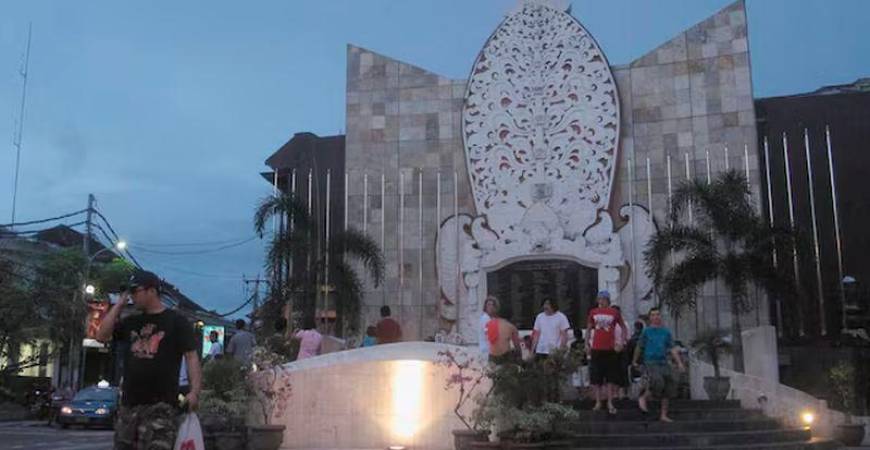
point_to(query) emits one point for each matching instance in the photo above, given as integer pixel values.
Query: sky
(166, 110)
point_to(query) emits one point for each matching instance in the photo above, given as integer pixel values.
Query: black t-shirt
(157, 343)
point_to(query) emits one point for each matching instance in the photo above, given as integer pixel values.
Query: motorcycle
(39, 403)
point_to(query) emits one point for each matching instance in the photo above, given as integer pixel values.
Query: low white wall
(371, 397)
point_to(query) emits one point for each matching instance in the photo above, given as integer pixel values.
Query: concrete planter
(224, 440)
(717, 388)
(850, 435)
(265, 437)
(462, 439)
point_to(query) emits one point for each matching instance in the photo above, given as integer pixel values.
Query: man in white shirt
(550, 331)
(490, 307)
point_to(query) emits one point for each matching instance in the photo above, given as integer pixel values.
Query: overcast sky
(166, 110)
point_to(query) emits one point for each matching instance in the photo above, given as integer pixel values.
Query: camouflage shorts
(146, 427)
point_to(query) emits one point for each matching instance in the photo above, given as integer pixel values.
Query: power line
(25, 232)
(50, 219)
(246, 303)
(189, 244)
(195, 252)
(117, 238)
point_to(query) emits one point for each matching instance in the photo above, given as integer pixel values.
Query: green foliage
(712, 344)
(842, 379)
(532, 423)
(225, 396)
(726, 240)
(298, 260)
(108, 278)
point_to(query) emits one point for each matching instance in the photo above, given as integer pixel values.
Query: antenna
(19, 134)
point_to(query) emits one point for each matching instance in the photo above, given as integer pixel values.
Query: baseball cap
(604, 294)
(144, 279)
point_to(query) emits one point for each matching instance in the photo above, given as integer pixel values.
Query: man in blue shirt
(655, 344)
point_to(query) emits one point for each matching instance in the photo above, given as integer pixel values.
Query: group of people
(608, 346)
(386, 331)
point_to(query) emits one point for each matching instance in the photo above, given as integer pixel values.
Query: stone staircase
(698, 424)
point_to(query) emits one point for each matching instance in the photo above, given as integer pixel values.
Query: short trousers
(660, 380)
(604, 367)
(146, 427)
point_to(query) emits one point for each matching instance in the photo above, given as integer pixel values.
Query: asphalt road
(36, 435)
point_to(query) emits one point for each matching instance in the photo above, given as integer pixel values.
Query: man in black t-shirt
(158, 339)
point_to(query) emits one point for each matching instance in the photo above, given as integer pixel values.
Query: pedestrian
(637, 388)
(550, 333)
(309, 339)
(388, 330)
(371, 337)
(159, 338)
(602, 325)
(654, 346)
(500, 334)
(550, 330)
(216, 349)
(489, 305)
(527, 354)
(623, 357)
(241, 346)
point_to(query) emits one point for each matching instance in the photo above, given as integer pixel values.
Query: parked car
(95, 405)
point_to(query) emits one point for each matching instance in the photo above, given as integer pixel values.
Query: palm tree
(727, 240)
(299, 261)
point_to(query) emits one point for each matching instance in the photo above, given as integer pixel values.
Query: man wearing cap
(158, 339)
(602, 325)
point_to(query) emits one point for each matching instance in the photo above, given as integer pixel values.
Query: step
(655, 426)
(678, 414)
(671, 440)
(677, 403)
(813, 444)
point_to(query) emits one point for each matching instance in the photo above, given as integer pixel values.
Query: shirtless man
(500, 333)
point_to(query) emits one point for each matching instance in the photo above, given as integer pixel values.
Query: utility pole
(16, 141)
(86, 249)
(256, 294)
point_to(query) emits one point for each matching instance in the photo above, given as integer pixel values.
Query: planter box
(265, 437)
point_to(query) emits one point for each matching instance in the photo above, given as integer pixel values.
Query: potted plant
(224, 404)
(465, 375)
(529, 427)
(712, 344)
(271, 389)
(842, 379)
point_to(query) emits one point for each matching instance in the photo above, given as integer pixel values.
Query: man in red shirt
(604, 367)
(388, 330)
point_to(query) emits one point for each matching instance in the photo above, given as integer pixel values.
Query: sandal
(611, 410)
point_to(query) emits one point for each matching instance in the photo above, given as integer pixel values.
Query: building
(543, 173)
(841, 112)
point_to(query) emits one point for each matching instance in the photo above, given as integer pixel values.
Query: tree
(298, 260)
(727, 240)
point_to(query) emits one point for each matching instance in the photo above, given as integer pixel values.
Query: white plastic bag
(189, 434)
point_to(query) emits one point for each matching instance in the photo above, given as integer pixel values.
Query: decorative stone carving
(541, 134)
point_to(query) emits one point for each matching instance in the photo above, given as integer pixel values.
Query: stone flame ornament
(540, 127)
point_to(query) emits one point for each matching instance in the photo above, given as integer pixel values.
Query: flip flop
(611, 410)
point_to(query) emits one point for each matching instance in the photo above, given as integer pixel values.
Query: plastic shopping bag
(189, 434)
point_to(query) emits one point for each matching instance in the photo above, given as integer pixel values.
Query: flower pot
(717, 388)
(485, 445)
(265, 437)
(224, 440)
(462, 439)
(850, 435)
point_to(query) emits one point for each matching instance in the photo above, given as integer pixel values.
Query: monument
(543, 173)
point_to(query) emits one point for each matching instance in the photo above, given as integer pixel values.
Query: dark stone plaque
(521, 288)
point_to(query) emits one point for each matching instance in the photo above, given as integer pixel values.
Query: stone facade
(682, 101)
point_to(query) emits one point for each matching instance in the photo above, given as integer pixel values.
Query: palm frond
(363, 248)
(285, 204)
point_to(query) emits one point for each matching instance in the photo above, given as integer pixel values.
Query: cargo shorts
(660, 380)
(146, 427)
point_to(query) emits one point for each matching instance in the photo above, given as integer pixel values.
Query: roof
(861, 85)
(301, 149)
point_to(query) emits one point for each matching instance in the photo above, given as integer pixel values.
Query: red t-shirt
(603, 322)
(388, 331)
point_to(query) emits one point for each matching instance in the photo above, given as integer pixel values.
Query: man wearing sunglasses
(158, 339)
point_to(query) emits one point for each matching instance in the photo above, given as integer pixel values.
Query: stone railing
(774, 399)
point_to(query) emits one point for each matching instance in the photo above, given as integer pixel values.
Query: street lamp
(89, 288)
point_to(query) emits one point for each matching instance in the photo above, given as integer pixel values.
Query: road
(36, 435)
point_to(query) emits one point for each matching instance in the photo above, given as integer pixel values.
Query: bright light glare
(121, 245)
(66, 410)
(407, 387)
(90, 289)
(808, 417)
